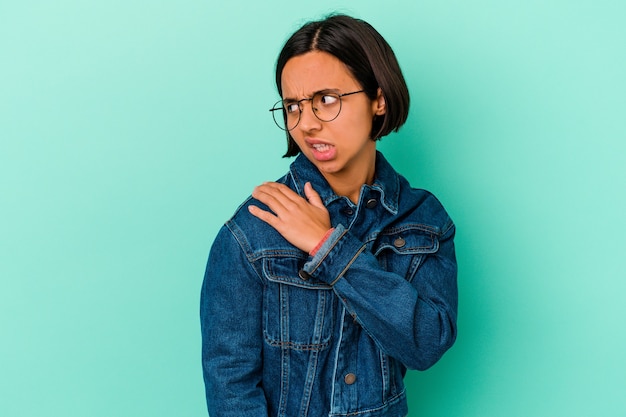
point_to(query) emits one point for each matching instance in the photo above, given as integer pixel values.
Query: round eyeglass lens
(279, 113)
(326, 106)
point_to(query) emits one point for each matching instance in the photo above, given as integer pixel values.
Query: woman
(326, 285)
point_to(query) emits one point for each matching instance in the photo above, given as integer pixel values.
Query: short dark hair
(367, 56)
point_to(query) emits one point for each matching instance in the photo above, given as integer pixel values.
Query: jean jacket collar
(386, 182)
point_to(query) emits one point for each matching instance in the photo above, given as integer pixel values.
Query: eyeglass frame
(278, 107)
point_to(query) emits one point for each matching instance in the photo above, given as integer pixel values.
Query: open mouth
(321, 147)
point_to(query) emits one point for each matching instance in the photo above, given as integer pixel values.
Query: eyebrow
(323, 90)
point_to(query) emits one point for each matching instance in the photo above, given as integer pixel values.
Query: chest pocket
(403, 249)
(297, 314)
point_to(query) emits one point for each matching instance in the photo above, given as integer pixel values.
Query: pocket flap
(285, 271)
(408, 240)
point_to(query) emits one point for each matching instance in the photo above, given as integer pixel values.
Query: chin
(329, 167)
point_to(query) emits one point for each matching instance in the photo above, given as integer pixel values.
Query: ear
(378, 105)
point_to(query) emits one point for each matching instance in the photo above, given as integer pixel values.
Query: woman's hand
(303, 223)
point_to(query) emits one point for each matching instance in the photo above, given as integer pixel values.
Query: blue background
(131, 130)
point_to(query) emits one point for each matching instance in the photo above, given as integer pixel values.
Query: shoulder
(422, 207)
(256, 238)
(416, 208)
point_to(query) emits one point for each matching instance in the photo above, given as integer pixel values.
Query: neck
(349, 183)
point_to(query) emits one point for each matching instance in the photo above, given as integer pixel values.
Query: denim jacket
(289, 334)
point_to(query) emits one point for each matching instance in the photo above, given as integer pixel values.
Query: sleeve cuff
(321, 242)
(334, 256)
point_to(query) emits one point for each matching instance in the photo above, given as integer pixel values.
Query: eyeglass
(326, 107)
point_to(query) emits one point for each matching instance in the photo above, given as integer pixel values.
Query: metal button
(349, 378)
(371, 203)
(399, 242)
(303, 274)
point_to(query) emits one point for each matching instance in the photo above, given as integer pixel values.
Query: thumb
(312, 195)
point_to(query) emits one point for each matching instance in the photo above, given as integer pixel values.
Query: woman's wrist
(317, 247)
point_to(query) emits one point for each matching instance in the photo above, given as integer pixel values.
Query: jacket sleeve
(230, 314)
(414, 322)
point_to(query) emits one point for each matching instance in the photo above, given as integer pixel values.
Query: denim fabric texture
(287, 334)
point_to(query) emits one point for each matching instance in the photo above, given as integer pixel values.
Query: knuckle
(291, 205)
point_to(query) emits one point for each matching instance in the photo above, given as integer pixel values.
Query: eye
(292, 107)
(328, 99)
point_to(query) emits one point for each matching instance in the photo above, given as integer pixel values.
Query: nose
(308, 120)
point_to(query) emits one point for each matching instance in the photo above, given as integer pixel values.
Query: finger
(270, 197)
(266, 216)
(312, 195)
(278, 197)
(283, 190)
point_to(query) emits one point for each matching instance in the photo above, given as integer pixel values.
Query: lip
(313, 141)
(325, 154)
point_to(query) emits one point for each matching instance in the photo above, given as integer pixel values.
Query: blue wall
(131, 130)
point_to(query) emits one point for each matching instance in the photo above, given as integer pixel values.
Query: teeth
(321, 147)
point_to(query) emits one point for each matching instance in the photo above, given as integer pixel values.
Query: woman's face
(341, 148)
